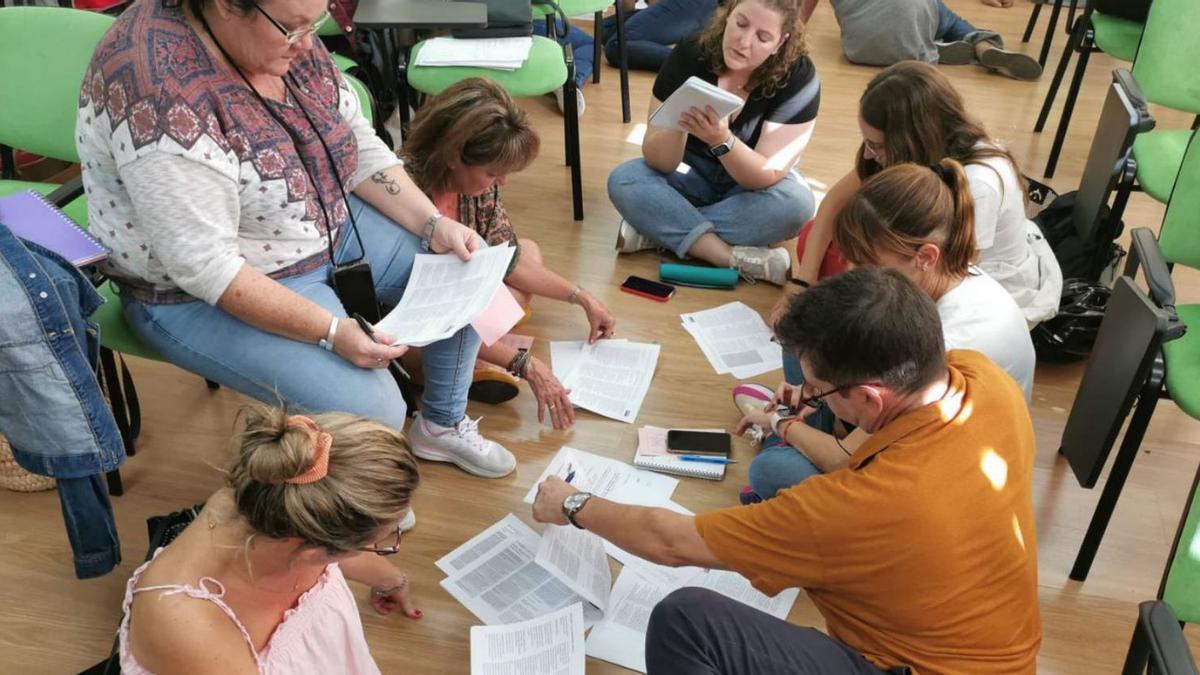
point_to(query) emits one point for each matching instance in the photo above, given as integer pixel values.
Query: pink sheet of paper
(502, 313)
(652, 441)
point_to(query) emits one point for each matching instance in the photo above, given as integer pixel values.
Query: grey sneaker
(461, 445)
(1013, 64)
(957, 53)
(767, 264)
(580, 103)
(630, 240)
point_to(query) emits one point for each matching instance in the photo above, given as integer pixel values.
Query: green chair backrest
(1179, 237)
(364, 97)
(1167, 58)
(44, 52)
(1181, 585)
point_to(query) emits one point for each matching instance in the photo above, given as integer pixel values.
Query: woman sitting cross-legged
(463, 144)
(911, 112)
(217, 166)
(257, 583)
(918, 220)
(725, 189)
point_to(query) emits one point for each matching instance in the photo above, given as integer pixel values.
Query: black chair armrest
(1168, 649)
(67, 193)
(1146, 253)
(1133, 90)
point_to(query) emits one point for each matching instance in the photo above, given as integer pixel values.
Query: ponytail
(958, 244)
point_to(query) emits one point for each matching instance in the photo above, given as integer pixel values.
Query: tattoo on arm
(388, 183)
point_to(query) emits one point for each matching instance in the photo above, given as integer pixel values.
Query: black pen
(366, 328)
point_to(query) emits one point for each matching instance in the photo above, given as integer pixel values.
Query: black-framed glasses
(386, 550)
(814, 401)
(294, 36)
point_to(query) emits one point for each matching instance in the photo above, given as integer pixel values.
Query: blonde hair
(371, 478)
(773, 73)
(906, 206)
(474, 122)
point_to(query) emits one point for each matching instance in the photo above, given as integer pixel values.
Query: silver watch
(573, 503)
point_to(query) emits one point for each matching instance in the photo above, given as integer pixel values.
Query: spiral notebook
(652, 454)
(32, 218)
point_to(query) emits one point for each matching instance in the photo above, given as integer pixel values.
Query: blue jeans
(210, 342)
(778, 465)
(581, 46)
(676, 209)
(52, 409)
(649, 33)
(953, 28)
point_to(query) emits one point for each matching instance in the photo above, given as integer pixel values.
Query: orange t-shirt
(922, 552)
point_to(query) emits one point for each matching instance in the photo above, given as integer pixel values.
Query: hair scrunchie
(321, 441)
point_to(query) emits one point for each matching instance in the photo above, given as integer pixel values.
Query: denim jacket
(51, 408)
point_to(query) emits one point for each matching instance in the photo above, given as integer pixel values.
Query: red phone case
(647, 295)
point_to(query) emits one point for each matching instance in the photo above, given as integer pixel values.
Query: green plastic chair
(1092, 32)
(596, 8)
(549, 67)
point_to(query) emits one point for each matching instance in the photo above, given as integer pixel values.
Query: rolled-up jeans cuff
(698, 231)
(984, 36)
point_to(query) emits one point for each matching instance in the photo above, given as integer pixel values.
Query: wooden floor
(53, 623)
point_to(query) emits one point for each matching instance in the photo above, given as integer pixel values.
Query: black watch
(723, 148)
(573, 503)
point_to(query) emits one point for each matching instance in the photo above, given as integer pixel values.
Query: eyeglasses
(388, 550)
(294, 36)
(873, 146)
(814, 401)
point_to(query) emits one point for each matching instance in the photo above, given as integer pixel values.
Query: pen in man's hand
(366, 328)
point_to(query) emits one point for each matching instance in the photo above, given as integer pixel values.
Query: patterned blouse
(188, 175)
(486, 215)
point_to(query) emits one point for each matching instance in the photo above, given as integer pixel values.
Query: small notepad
(694, 93)
(32, 218)
(652, 454)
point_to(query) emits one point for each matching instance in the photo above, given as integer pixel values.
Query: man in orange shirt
(921, 554)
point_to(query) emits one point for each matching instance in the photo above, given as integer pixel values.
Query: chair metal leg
(115, 487)
(624, 58)
(1033, 17)
(108, 365)
(1052, 93)
(1069, 105)
(1050, 26)
(597, 22)
(571, 140)
(1147, 401)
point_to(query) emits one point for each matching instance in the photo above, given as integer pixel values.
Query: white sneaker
(409, 521)
(461, 445)
(767, 264)
(580, 104)
(630, 240)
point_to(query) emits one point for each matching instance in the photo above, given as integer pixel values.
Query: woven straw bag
(13, 477)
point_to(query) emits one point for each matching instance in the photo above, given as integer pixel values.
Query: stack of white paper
(735, 340)
(444, 294)
(694, 93)
(608, 377)
(608, 478)
(508, 53)
(549, 645)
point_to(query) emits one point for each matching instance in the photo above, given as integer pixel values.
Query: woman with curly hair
(724, 189)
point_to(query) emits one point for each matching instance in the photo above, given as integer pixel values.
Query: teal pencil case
(697, 276)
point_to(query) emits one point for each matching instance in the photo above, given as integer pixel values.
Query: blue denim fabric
(52, 411)
(581, 46)
(651, 32)
(951, 27)
(676, 209)
(212, 343)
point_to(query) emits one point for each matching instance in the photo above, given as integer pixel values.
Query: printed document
(508, 53)
(577, 558)
(735, 340)
(565, 354)
(548, 645)
(612, 378)
(444, 294)
(606, 478)
(500, 582)
(694, 93)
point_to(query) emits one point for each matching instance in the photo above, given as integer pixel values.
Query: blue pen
(710, 460)
(570, 473)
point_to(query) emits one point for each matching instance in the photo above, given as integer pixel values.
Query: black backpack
(1078, 258)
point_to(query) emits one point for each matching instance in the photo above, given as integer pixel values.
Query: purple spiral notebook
(32, 218)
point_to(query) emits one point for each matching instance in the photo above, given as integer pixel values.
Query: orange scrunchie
(321, 441)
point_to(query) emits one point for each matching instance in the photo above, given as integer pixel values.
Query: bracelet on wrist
(799, 282)
(326, 342)
(428, 229)
(519, 363)
(573, 298)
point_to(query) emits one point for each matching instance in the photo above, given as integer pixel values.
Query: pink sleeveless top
(321, 634)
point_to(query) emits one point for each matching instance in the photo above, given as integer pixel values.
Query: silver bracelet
(327, 341)
(427, 230)
(573, 298)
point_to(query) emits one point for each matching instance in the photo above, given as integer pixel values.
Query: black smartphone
(648, 289)
(698, 442)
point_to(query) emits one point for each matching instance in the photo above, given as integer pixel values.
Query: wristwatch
(573, 503)
(723, 148)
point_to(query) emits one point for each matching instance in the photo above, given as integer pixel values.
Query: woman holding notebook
(724, 189)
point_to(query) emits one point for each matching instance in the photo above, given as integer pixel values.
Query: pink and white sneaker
(462, 445)
(751, 396)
